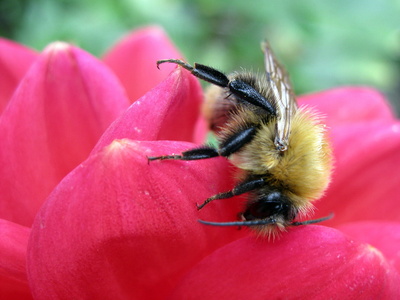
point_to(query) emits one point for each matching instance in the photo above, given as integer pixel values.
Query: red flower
(114, 226)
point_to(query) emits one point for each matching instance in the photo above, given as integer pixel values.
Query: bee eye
(266, 207)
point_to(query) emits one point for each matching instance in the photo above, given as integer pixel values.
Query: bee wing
(285, 100)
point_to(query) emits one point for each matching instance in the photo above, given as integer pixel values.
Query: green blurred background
(323, 44)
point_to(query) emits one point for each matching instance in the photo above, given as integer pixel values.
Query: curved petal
(15, 60)
(167, 112)
(365, 183)
(129, 227)
(384, 236)
(348, 105)
(54, 119)
(304, 264)
(13, 244)
(134, 58)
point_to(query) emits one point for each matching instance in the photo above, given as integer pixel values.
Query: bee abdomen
(218, 107)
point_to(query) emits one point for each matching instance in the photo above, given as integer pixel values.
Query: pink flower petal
(168, 112)
(126, 228)
(13, 244)
(14, 62)
(384, 236)
(312, 262)
(56, 116)
(348, 105)
(365, 184)
(134, 58)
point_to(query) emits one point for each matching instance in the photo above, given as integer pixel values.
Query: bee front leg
(241, 188)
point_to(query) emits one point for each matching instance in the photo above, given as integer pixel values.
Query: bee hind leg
(201, 71)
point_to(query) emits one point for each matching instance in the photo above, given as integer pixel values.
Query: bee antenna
(330, 216)
(240, 223)
(264, 222)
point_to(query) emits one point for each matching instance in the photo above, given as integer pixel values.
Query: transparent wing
(284, 97)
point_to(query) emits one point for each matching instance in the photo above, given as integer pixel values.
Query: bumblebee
(281, 150)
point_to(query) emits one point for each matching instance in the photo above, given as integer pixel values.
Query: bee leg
(246, 93)
(201, 71)
(241, 188)
(193, 154)
(236, 141)
(242, 90)
(228, 147)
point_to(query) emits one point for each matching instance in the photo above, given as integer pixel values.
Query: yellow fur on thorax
(303, 170)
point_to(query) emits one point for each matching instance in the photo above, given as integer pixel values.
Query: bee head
(273, 206)
(266, 210)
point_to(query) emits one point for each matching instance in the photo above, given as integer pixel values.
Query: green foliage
(322, 43)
